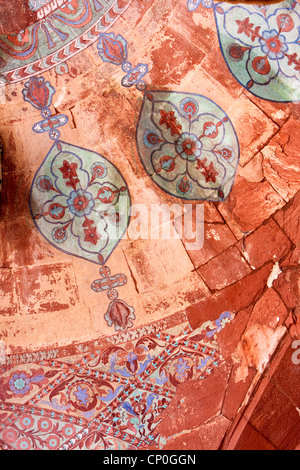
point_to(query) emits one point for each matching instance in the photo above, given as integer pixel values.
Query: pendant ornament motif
(187, 144)
(79, 200)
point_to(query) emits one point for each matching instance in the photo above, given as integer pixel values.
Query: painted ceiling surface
(149, 276)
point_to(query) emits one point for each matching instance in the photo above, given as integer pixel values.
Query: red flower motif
(24, 444)
(209, 172)
(169, 119)
(91, 236)
(120, 315)
(44, 425)
(68, 430)
(88, 223)
(80, 203)
(10, 435)
(246, 27)
(52, 442)
(68, 170)
(112, 49)
(26, 421)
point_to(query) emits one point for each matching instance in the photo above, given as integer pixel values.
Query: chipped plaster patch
(60, 97)
(274, 274)
(279, 114)
(256, 348)
(211, 233)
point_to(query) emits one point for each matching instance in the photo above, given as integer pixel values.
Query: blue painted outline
(102, 51)
(215, 5)
(139, 152)
(38, 229)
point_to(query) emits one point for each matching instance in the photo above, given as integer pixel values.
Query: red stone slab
(287, 285)
(249, 205)
(24, 246)
(280, 159)
(251, 439)
(288, 219)
(236, 392)
(287, 375)
(192, 405)
(267, 243)
(234, 298)
(224, 269)
(269, 310)
(190, 441)
(273, 408)
(176, 56)
(229, 338)
(217, 238)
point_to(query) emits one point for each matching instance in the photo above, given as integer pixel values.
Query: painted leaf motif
(80, 202)
(187, 145)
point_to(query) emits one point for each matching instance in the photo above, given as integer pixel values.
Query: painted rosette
(188, 145)
(261, 47)
(80, 202)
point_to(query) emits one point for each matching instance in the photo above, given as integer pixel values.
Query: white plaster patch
(256, 348)
(274, 274)
(60, 97)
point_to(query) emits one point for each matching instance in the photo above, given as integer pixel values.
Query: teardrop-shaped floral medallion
(186, 142)
(79, 202)
(260, 45)
(188, 145)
